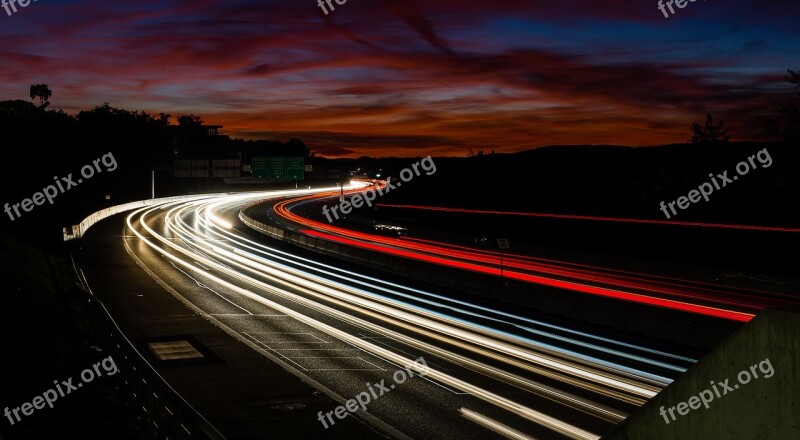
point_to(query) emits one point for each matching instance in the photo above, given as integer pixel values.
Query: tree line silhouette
(137, 138)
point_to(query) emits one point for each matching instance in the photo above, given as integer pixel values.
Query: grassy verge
(47, 336)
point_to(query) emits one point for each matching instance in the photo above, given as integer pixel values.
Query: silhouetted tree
(163, 119)
(787, 124)
(16, 107)
(297, 147)
(41, 91)
(709, 133)
(471, 153)
(105, 127)
(190, 120)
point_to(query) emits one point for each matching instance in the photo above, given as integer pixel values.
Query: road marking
(210, 289)
(370, 363)
(273, 350)
(369, 418)
(316, 349)
(245, 314)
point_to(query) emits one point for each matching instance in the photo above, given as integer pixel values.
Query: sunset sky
(397, 77)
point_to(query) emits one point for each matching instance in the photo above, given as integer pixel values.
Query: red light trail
(672, 293)
(595, 218)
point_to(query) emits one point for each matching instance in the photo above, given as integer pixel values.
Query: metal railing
(167, 413)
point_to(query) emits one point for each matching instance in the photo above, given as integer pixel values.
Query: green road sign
(295, 168)
(259, 168)
(277, 168)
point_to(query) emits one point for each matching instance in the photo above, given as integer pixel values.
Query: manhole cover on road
(177, 350)
(174, 350)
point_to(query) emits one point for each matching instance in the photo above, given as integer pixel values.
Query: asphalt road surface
(425, 364)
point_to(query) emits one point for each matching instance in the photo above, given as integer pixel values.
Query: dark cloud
(399, 76)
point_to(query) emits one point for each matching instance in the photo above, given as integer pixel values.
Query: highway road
(478, 372)
(702, 298)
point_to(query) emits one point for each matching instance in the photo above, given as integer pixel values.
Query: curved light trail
(594, 218)
(198, 239)
(672, 293)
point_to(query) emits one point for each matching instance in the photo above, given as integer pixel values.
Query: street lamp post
(502, 244)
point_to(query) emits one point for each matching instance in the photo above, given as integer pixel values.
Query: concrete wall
(78, 230)
(763, 408)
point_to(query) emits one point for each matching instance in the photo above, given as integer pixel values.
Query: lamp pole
(502, 244)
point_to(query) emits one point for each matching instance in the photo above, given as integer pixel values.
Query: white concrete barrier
(80, 229)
